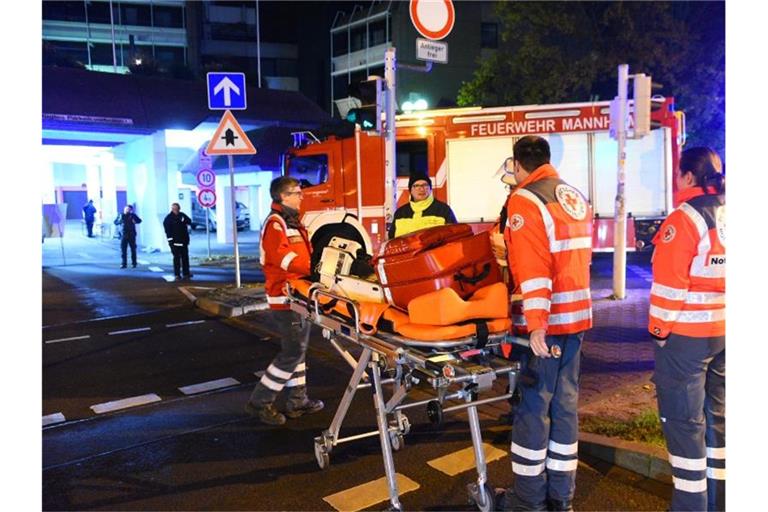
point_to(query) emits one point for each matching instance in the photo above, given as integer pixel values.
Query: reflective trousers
(546, 427)
(690, 387)
(288, 368)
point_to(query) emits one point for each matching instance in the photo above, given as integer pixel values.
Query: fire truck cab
(463, 149)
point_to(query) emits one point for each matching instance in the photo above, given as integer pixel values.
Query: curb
(646, 460)
(219, 308)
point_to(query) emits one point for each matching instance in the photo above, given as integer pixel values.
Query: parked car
(243, 216)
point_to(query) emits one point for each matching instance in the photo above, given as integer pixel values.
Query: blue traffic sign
(226, 91)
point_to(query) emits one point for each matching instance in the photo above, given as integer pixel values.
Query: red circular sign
(206, 197)
(433, 18)
(206, 178)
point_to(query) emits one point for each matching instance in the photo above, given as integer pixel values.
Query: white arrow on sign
(227, 86)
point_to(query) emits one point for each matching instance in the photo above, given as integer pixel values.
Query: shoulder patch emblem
(571, 201)
(516, 222)
(669, 234)
(720, 223)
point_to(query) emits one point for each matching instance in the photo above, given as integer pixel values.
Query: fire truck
(463, 149)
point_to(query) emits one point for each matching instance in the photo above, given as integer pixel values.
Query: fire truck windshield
(310, 170)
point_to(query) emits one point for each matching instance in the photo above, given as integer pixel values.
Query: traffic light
(368, 115)
(641, 114)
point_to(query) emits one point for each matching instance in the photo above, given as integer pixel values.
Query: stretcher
(452, 370)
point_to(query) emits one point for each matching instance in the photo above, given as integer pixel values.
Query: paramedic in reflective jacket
(285, 254)
(422, 211)
(687, 320)
(549, 247)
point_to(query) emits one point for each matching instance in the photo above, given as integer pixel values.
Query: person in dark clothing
(176, 226)
(128, 221)
(89, 214)
(422, 211)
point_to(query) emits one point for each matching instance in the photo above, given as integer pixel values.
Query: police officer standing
(549, 246)
(687, 320)
(89, 214)
(176, 226)
(285, 254)
(128, 220)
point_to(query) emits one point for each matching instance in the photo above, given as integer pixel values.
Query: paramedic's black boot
(506, 499)
(560, 505)
(266, 414)
(298, 404)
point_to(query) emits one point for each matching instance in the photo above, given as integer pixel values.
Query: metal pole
(359, 174)
(87, 34)
(207, 230)
(258, 43)
(234, 218)
(112, 23)
(390, 170)
(620, 219)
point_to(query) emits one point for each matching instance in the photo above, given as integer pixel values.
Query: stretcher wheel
(482, 497)
(405, 424)
(397, 440)
(321, 454)
(435, 413)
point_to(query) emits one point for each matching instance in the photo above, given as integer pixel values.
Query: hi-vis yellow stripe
(368, 494)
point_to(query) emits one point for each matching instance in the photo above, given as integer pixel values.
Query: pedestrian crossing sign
(230, 138)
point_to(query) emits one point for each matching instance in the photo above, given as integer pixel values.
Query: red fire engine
(462, 149)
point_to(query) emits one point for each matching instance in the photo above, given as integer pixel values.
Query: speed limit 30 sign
(206, 197)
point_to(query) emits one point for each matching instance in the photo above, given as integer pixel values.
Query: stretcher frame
(412, 362)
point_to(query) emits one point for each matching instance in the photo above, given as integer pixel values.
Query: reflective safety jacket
(688, 291)
(414, 216)
(285, 254)
(549, 249)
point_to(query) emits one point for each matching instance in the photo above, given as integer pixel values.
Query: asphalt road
(112, 335)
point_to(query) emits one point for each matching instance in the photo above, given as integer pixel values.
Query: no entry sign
(433, 18)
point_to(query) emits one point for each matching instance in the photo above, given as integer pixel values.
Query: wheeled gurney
(455, 370)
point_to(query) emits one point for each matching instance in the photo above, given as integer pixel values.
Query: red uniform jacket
(285, 254)
(688, 292)
(549, 248)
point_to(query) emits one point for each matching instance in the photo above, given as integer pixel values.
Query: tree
(555, 52)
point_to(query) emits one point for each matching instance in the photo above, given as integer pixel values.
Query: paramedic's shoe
(506, 499)
(266, 414)
(560, 505)
(308, 406)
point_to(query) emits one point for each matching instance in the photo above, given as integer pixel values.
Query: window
(169, 54)
(357, 38)
(377, 32)
(489, 35)
(132, 14)
(64, 11)
(310, 170)
(167, 16)
(340, 43)
(98, 12)
(411, 157)
(101, 53)
(286, 67)
(73, 49)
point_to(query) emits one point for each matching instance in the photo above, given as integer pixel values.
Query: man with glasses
(422, 211)
(285, 254)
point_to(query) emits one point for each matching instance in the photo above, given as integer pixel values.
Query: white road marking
(142, 262)
(208, 386)
(464, 460)
(187, 293)
(155, 269)
(126, 331)
(124, 403)
(191, 322)
(73, 338)
(85, 255)
(169, 277)
(368, 494)
(53, 418)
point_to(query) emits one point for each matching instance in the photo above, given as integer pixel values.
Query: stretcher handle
(317, 292)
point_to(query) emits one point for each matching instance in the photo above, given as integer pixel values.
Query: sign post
(619, 116)
(230, 139)
(206, 178)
